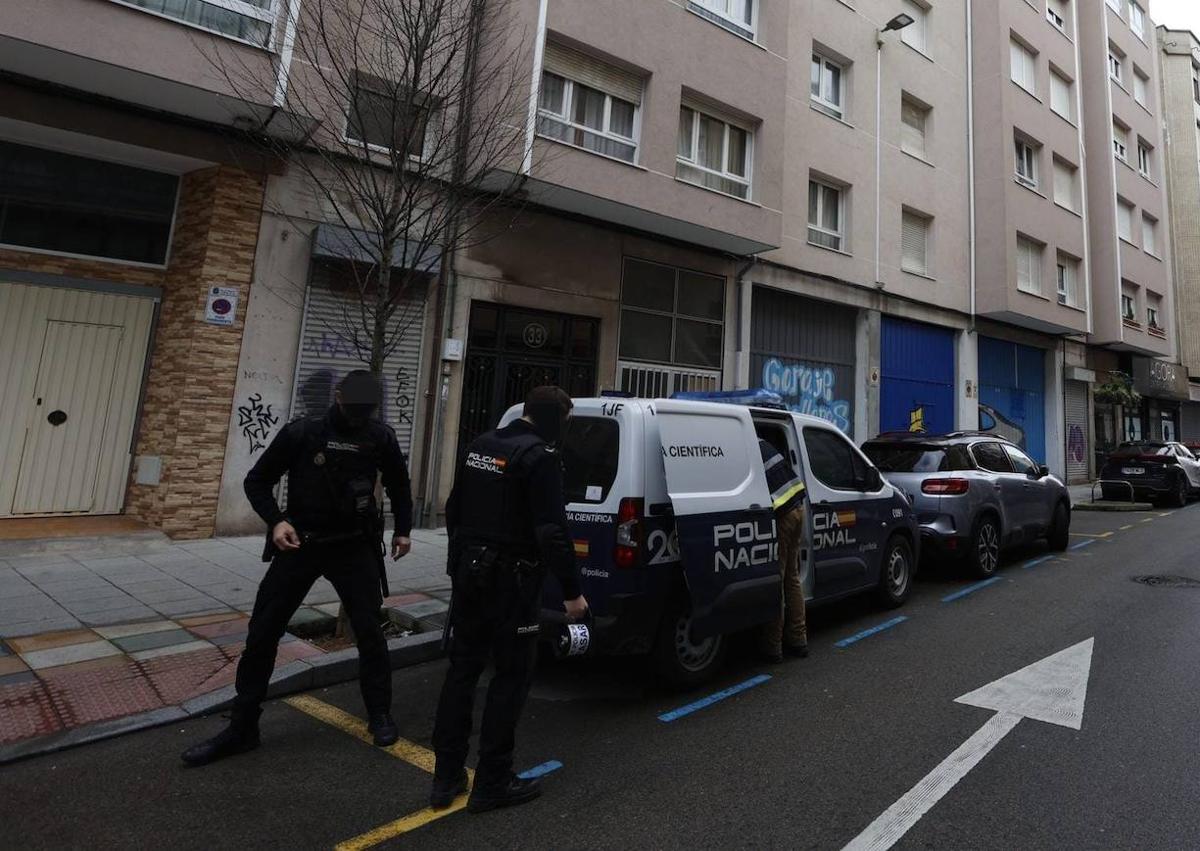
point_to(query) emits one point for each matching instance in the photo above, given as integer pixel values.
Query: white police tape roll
(580, 638)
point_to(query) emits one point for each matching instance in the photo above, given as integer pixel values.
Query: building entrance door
(512, 350)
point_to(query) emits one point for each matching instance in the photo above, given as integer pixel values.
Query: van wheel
(681, 660)
(1060, 528)
(895, 572)
(983, 557)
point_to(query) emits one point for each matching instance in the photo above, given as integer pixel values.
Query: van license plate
(1133, 471)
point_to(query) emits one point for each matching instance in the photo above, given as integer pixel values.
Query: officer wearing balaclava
(331, 528)
(507, 521)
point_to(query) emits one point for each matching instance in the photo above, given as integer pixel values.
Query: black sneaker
(800, 651)
(446, 791)
(770, 657)
(516, 791)
(384, 729)
(233, 740)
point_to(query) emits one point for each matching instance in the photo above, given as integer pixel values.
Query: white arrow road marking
(1052, 690)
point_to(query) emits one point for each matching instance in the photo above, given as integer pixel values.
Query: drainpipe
(539, 52)
(878, 149)
(739, 287)
(285, 52)
(971, 149)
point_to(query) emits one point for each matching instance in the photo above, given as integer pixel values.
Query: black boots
(383, 728)
(445, 791)
(240, 736)
(797, 651)
(509, 794)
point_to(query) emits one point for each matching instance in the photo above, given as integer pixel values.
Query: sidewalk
(144, 629)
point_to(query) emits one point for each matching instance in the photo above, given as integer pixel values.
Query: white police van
(674, 532)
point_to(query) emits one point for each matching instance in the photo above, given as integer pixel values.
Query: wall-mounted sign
(535, 335)
(1159, 379)
(452, 349)
(221, 306)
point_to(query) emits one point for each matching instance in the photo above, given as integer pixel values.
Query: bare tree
(410, 126)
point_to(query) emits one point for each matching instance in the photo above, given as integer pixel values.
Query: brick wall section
(193, 366)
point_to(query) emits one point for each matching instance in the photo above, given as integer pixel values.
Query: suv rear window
(590, 452)
(914, 458)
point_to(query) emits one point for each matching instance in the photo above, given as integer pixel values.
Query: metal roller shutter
(580, 67)
(1076, 407)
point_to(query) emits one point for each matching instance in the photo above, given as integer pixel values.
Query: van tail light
(945, 487)
(629, 532)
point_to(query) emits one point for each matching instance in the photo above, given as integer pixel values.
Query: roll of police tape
(580, 639)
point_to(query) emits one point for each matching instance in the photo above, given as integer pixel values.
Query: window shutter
(912, 128)
(572, 64)
(1064, 185)
(914, 241)
(1060, 95)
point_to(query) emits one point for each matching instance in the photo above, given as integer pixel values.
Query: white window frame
(1150, 235)
(920, 24)
(715, 11)
(569, 109)
(1067, 280)
(1034, 250)
(1121, 207)
(924, 111)
(1025, 155)
(1196, 84)
(1017, 48)
(1071, 173)
(268, 15)
(1068, 87)
(840, 233)
(1117, 6)
(1121, 143)
(724, 173)
(1116, 68)
(926, 225)
(1141, 88)
(1129, 307)
(1137, 20)
(837, 110)
(1152, 319)
(1145, 160)
(1056, 20)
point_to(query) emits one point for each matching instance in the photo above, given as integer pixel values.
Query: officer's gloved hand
(577, 608)
(400, 547)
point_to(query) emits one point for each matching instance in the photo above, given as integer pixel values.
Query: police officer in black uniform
(332, 528)
(507, 522)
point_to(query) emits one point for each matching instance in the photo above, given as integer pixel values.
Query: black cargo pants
(486, 627)
(353, 570)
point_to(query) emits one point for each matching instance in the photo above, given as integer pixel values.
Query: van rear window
(908, 458)
(590, 452)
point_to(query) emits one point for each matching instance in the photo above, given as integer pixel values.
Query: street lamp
(894, 25)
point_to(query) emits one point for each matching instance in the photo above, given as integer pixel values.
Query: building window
(714, 153)
(734, 15)
(671, 316)
(826, 215)
(1129, 304)
(1067, 270)
(1150, 235)
(1154, 314)
(1141, 87)
(1066, 184)
(914, 118)
(1024, 67)
(1124, 220)
(50, 201)
(1056, 14)
(1121, 142)
(1027, 163)
(1117, 6)
(1029, 265)
(828, 86)
(1116, 65)
(246, 20)
(914, 243)
(1137, 20)
(1062, 98)
(586, 103)
(1145, 159)
(1196, 84)
(915, 34)
(385, 116)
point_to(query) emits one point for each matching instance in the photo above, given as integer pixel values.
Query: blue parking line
(1038, 561)
(541, 770)
(1081, 545)
(866, 633)
(970, 589)
(676, 714)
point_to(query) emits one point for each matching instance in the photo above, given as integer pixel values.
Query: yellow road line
(1090, 535)
(1149, 519)
(413, 754)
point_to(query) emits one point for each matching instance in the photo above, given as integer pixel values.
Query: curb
(1101, 505)
(301, 675)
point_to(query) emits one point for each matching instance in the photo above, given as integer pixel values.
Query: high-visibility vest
(784, 483)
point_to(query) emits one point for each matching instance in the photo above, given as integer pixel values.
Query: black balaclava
(548, 408)
(361, 394)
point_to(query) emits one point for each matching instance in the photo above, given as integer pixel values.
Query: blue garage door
(1012, 394)
(916, 390)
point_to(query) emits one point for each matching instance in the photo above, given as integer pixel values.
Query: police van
(674, 530)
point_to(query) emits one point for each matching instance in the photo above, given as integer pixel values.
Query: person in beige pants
(789, 631)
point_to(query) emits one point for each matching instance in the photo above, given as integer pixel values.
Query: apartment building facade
(1180, 61)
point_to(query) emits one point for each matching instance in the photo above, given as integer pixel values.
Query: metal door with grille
(1076, 410)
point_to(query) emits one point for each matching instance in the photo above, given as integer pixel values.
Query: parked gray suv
(974, 494)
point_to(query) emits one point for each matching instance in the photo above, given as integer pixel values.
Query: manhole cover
(1161, 581)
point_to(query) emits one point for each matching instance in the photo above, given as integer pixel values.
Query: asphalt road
(807, 759)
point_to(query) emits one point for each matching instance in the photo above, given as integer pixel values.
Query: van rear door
(727, 537)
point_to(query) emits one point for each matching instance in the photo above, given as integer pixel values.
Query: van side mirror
(1043, 471)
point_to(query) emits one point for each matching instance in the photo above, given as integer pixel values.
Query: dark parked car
(974, 494)
(1160, 472)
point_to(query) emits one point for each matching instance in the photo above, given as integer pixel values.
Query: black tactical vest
(331, 481)
(492, 482)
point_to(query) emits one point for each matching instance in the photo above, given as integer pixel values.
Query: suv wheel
(895, 572)
(1182, 491)
(679, 658)
(984, 554)
(1060, 528)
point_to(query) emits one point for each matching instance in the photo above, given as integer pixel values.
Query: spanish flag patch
(846, 518)
(581, 549)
